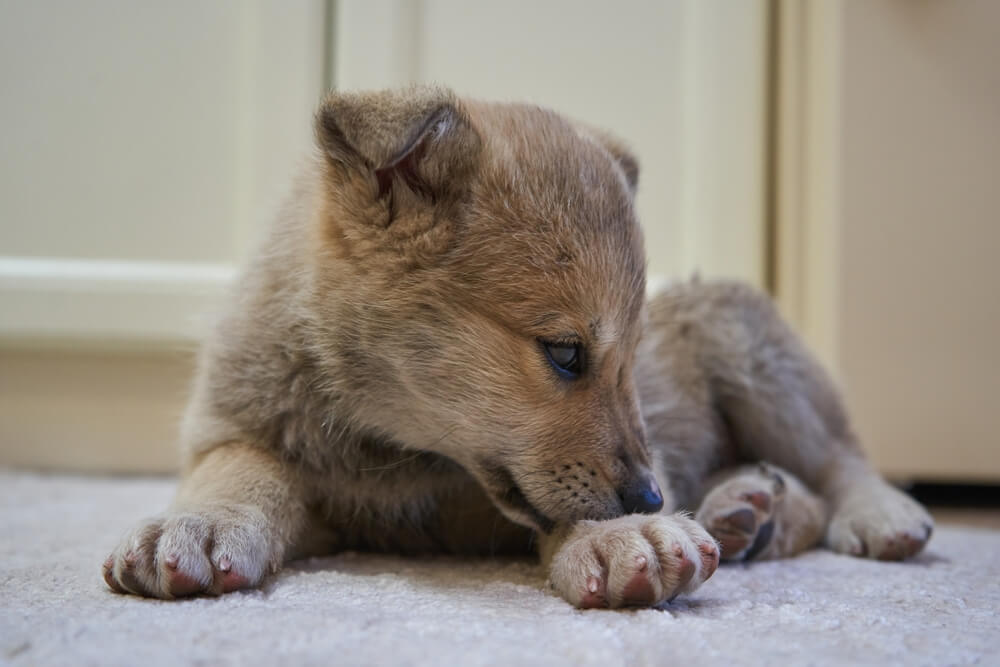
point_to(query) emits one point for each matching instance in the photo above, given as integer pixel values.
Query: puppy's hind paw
(878, 521)
(634, 560)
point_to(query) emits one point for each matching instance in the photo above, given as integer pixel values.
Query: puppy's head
(479, 284)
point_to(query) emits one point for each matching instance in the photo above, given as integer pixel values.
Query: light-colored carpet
(939, 609)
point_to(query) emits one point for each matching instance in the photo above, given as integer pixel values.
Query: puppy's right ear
(419, 139)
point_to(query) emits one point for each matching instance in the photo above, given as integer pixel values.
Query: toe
(228, 579)
(181, 584)
(685, 573)
(595, 596)
(759, 499)
(128, 578)
(639, 590)
(709, 558)
(633, 572)
(595, 593)
(742, 521)
(735, 531)
(109, 575)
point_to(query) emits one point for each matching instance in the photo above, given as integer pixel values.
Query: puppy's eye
(566, 358)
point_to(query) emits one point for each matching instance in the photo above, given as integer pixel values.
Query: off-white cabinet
(890, 221)
(143, 146)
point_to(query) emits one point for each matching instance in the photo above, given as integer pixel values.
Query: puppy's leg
(761, 512)
(230, 525)
(635, 560)
(780, 407)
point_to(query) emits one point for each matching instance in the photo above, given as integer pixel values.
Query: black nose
(642, 496)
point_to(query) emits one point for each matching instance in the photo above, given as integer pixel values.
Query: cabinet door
(891, 264)
(144, 144)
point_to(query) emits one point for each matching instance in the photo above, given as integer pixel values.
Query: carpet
(818, 609)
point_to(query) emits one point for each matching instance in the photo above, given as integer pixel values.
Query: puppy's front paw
(876, 520)
(635, 560)
(211, 551)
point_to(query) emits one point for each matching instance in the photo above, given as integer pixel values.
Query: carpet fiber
(940, 609)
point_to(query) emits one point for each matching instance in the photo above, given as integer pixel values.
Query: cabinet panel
(146, 144)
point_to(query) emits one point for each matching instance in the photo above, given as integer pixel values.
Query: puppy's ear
(628, 162)
(619, 152)
(418, 138)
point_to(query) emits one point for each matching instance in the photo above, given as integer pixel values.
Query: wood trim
(806, 171)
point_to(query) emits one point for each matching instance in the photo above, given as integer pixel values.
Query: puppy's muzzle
(641, 496)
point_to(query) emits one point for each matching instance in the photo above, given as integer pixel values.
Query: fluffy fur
(379, 380)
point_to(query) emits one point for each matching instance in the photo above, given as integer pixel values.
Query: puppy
(444, 345)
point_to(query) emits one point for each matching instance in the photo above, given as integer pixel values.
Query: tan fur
(378, 380)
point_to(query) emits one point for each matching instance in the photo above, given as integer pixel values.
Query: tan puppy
(438, 349)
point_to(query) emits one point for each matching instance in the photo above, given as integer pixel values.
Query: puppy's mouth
(509, 497)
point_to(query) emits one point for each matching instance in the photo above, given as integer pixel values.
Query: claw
(594, 597)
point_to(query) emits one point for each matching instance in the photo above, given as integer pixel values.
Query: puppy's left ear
(418, 139)
(620, 153)
(628, 162)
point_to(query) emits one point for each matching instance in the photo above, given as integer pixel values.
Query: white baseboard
(108, 300)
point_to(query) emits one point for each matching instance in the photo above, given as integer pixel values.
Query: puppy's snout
(641, 496)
